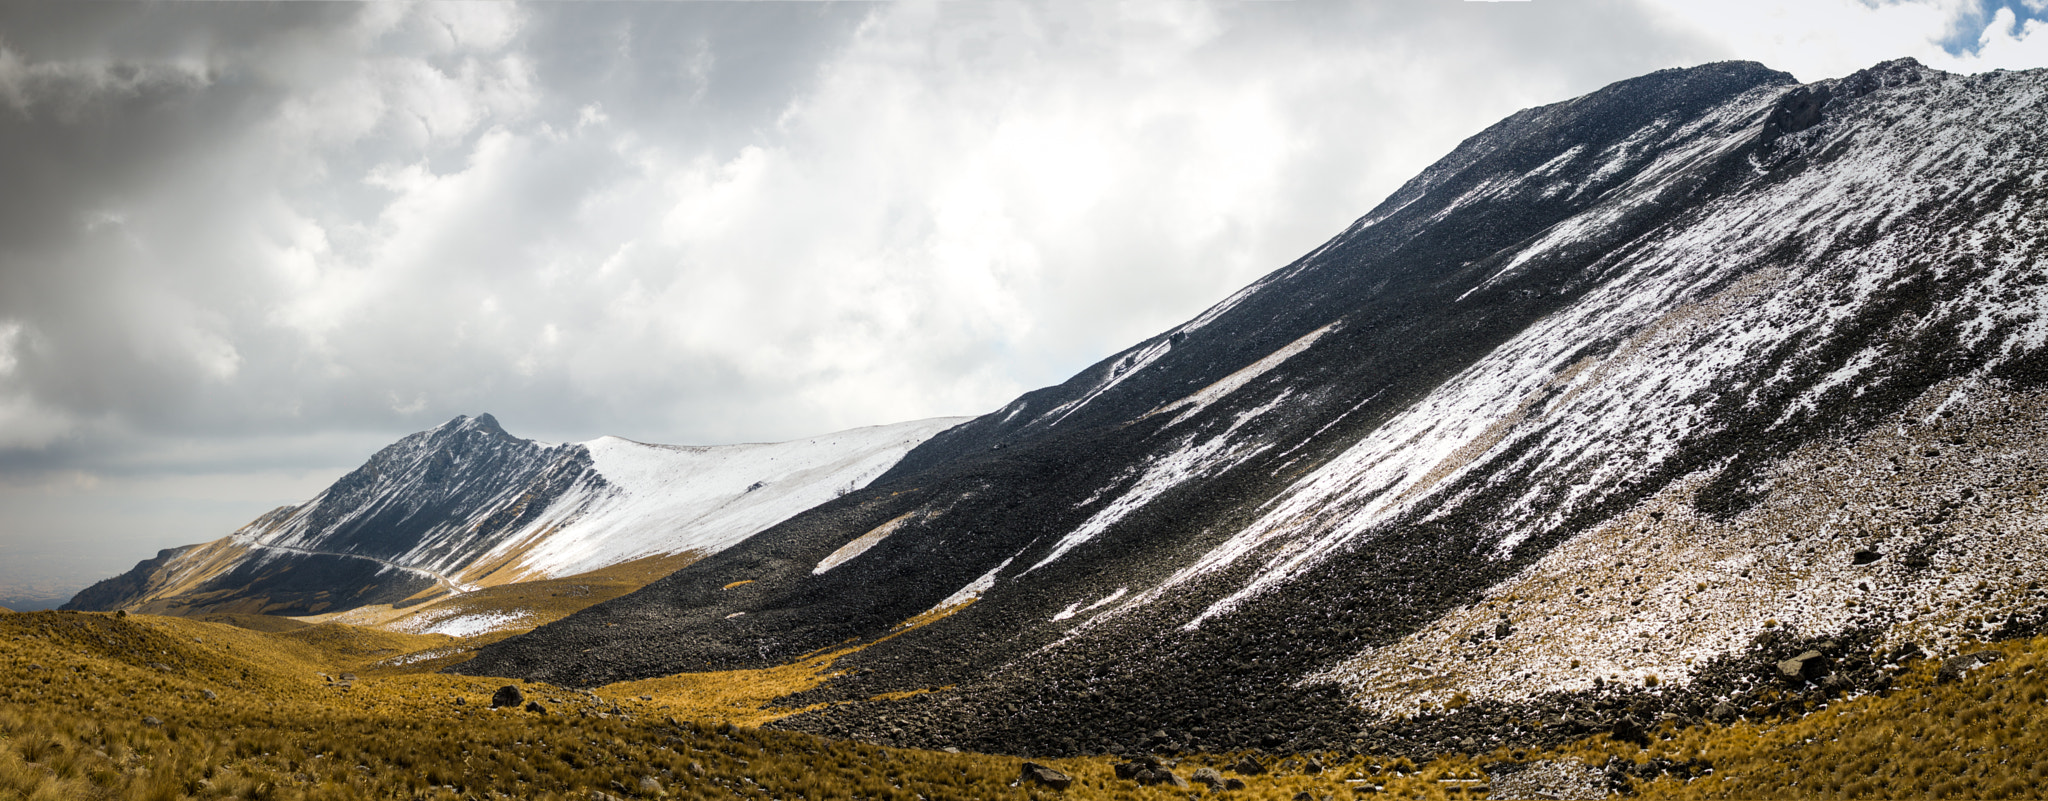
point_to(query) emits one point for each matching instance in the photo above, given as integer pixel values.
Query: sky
(244, 245)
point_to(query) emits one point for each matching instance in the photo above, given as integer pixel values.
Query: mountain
(467, 505)
(1603, 420)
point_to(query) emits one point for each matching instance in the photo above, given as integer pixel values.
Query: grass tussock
(102, 707)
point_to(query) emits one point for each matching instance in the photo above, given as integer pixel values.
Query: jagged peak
(482, 422)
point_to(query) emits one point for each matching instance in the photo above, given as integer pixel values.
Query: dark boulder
(1955, 667)
(1804, 667)
(507, 695)
(1040, 774)
(1627, 730)
(1247, 766)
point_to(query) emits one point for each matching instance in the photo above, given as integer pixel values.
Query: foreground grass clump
(109, 707)
(1977, 735)
(95, 706)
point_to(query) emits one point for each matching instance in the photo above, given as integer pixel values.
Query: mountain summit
(467, 505)
(1602, 419)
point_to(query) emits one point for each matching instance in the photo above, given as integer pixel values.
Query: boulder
(508, 695)
(1040, 774)
(1166, 777)
(1956, 667)
(536, 708)
(1627, 730)
(1129, 771)
(1247, 765)
(1804, 667)
(1208, 776)
(650, 786)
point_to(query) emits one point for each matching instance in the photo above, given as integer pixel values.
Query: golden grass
(96, 706)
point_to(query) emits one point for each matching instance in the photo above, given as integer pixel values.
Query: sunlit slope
(467, 505)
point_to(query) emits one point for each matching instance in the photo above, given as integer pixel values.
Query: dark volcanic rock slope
(1544, 418)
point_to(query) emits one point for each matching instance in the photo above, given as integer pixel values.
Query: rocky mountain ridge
(1623, 402)
(467, 505)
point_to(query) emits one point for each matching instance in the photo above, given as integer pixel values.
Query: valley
(1683, 439)
(100, 706)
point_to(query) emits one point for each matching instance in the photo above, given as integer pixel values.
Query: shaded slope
(1659, 290)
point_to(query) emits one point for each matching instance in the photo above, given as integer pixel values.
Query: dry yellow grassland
(142, 707)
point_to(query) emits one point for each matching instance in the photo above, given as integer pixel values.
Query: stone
(1865, 556)
(151, 720)
(1805, 666)
(1247, 765)
(508, 695)
(650, 786)
(1312, 767)
(536, 708)
(1209, 777)
(1724, 713)
(1627, 730)
(1130, 771)
(1955, 667)
(1034, 773)
(209, 695)
(1233, 784)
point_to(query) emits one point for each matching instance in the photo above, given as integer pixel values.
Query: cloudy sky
(242, 245)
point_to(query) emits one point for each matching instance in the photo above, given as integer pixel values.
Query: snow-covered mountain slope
(1607, 410)
(467, 505)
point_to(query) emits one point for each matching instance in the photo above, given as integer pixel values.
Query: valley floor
(144, 707)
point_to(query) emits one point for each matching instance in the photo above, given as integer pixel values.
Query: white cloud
(624, 218)
(1817, 39)
(2001, 46)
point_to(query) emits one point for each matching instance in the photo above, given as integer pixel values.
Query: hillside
(466, 506)
(1624, 402)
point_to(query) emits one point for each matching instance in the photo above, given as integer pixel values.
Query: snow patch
(859, 545)
(972, 591)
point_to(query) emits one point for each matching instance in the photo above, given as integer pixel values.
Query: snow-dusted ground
(1661, 589)
(669, 499)
(464, 624)
(1804, 258)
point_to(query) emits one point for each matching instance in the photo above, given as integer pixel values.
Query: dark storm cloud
(241, 245)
